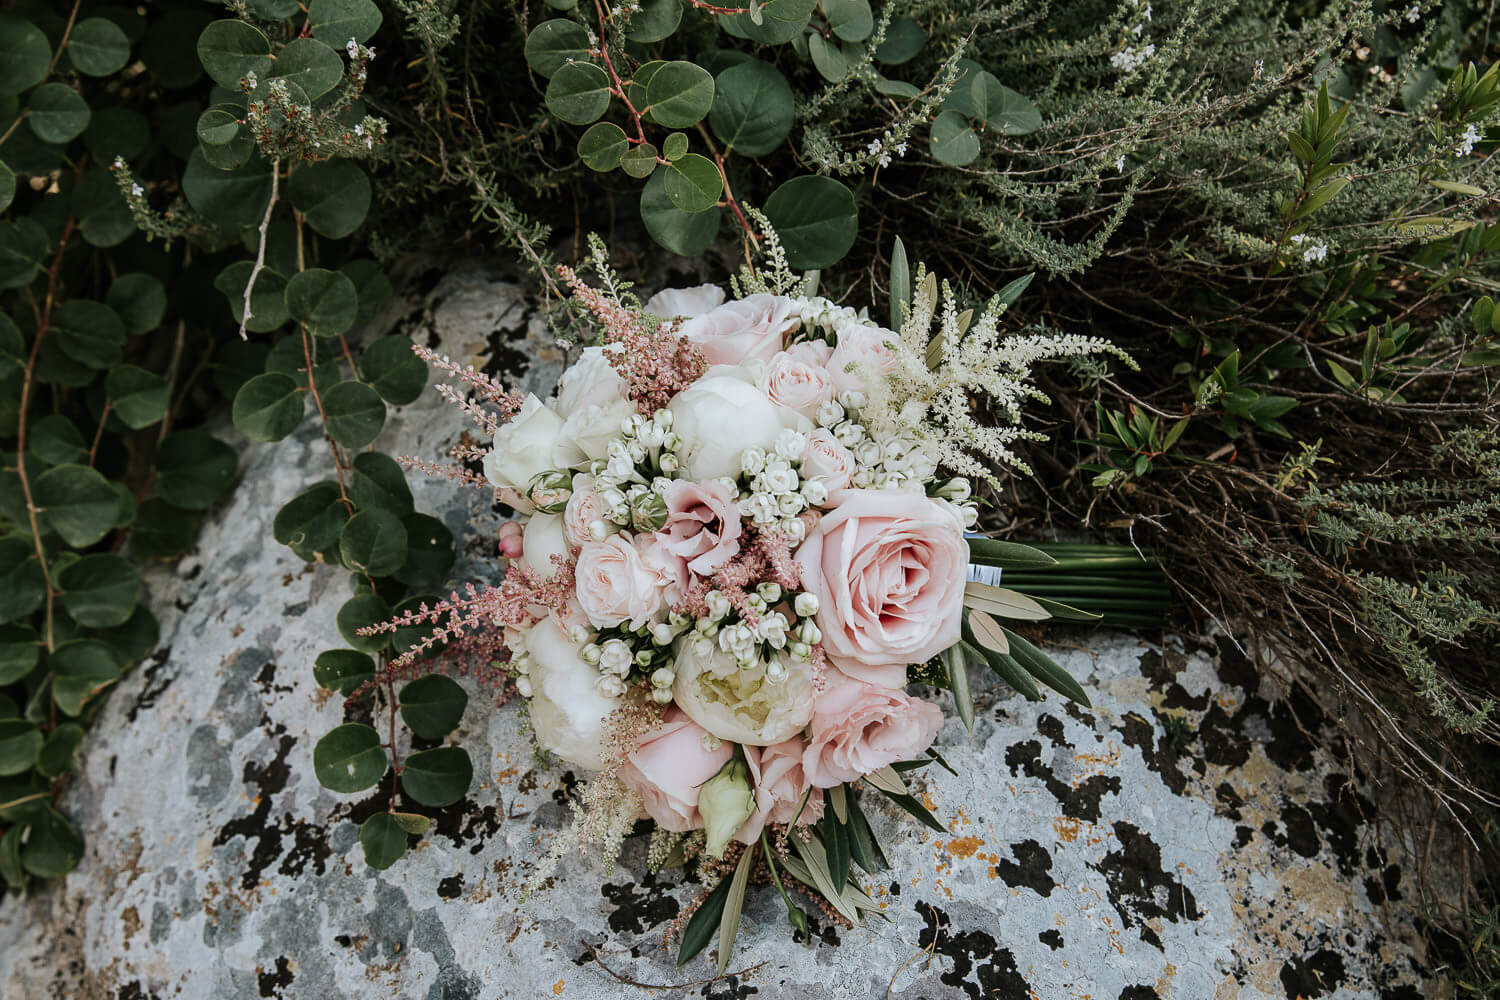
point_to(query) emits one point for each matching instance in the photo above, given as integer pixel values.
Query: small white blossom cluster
(1413, 14)
(639, 464)
(1313, 251)
(882, 149)
(765, 635)
(820, 315)
(1466, 142)
(777, 493)
(1131, 58)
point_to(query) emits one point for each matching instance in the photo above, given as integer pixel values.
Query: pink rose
(796, 384)
(752, 327)
(667, 767)
(888, 568)
(583, 509)
(811, 352)
(858, 728)
(780, 782)
(615, 584)
(864, 350)
(828, 460)
(703, 524)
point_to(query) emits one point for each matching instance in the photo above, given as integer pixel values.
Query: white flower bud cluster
(777, 493)
(645, 445)
(780, 622)
(819, 314)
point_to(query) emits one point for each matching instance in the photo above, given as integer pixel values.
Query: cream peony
(568, 712)
(738, 703)
(721, 415)
(753, 327)
(591, 399)
(523, 449)
(543, 539)
(685, 303)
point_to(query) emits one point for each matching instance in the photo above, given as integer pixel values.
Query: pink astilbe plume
(656, 364)
(485, 388)
(766, 558)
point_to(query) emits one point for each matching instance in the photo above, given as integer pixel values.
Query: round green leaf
(693, 183)
(336, 22)
(431, 706)
(639, 161)
(57, 753)
(116, 132)
(851, 20)
(379, 483)
(680, 94)
(104, 218)
(230, 49)
(429, 550)
(409, 637)
(194, 469)
(373, 542)
(311, 65)
(370, 282)
(903, 40)
(655, 20)
(437, 777)
(685, 233)
(267, 299)
(676, 146)
(23, 246)
(219, 125)
(273, 10)
(578, 93)
(554, 44)
(349, 758)
(790, 10)
(98, 47)
(7, 186)
(268, 407)
(353, 413)
(323, 301)
(19, 742)
(770, 31)
(166, 43)
(230, 199)
(52, 846)
(22, 586)
(393, 371)
(99, 590)
(12, 344)
(312, 520)
(25, 55)
(601, 147)
(90, 333)
(134, 639)
(953, 142)
(56, 113)
(343, 670)
(140, 300)
(56, 440)
(361, 611)
(78, 503)
(81, 668)
(1001, 108)
(138, 397)
(383, 840)
(125, 505)
(829, 57)
(753, 109)
(20, 648)
(333, 195)
(816, 219)
(161, 531)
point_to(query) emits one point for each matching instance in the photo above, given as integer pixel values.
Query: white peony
(568, 711)
(719, 416)
(544, 538)
(523, 449)
(736, 702)
(685, 303)
(591, 399)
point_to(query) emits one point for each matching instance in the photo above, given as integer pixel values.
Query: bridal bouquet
(743, 537)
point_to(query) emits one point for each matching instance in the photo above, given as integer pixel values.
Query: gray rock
(1182, 839)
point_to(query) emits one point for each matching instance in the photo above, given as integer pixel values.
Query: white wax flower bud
(663, 419)
(611, 686)
(752, 460)
(598, 531)
(793, 530)
(814, 492)
(808, 632)
(650, 436)
(523, 685)
(644, 657)
(718, 604)
(725, 801)
(772, 629)
(790, 444)
(669, 462)
(521, 664)
(829, 414)
(621, 467)
(849, 433)
(956, 489)
(970, 513)
(868, 452)
(790, 504)
(590, 654)
(611, 498)
(662, 634)
(864, 479)
(806, 604)
(671, 441)
(661, 695)
(780, 480)
(775, 670)
(615, 657)
(637, 452)
(769, 592)
(578, 634)
(707, 626)
(853, 399)
(616, 448)
(801, 651)
(663, 677)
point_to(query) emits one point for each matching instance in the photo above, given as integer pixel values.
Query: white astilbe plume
(942, 374)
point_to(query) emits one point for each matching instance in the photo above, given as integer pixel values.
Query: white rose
(737, 702)
(721, 415)
(568, 711)
(591, 399)
(544, 537)
(523, 449)
(685, 303)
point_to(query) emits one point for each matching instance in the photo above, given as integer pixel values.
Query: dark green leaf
(912, 805)
(311, 65)
(437, 777)
(267, 299)
(194, 469)
(903, 40)
(383, 840)
(429, 551)
(57, 753)
(1043, 668)
(81, 668)
(431, 706)
(753, 108)
(816, 219)
(680, 94)
(655, 20)
(311, 521)
(685, 233)
(953, 142)
(392, 370)
(90, 332)
(140, 300)
(323, 301)
(230, 199)
(230, 49)
(361, 611)
(693, 183)
(333, 195)
(863, 847)
(639, 161)
(343, 670)
(99, 590)
(349, 758)
(161, 531)
(104, 218)
(134, 639)
(370, 282)
(7, 186)
(268, 407)
(337, 21)
(705, 921)
(378, 483)
(139, 398)
(836, 845)
(1001, 108)
(25, 55)
(56, 113)
(19, 742)
(52, 846)
(114, 132)
(22, 586)
(578, 93)
(554, 44)
(602, 145)
(373, 542)
(79, 503)
(55, 440)
(10, 844)
(98, 47)
(354, 413)
(20, 648)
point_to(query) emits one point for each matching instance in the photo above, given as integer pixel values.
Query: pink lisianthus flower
(858, 728)
(779, 780)
(862, 355)
(703, 525)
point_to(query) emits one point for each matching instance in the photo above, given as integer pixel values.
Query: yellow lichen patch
(557, 988)
(965, 847)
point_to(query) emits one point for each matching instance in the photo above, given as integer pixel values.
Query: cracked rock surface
(1186, 838)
